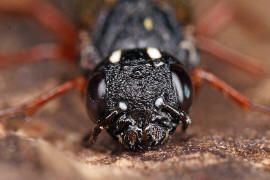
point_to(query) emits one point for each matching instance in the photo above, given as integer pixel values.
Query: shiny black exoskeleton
(140, 89)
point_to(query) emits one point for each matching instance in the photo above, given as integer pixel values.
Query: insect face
(142, 94)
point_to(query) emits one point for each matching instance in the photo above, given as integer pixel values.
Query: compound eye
(95, 92)
(183, 86)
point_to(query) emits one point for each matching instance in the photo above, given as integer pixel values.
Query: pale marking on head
(116, 56)
(122, 106)
(159, 102)
(148, 23)
(159, 64)
(153, 53)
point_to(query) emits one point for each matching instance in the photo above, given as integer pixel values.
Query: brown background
(223, 142)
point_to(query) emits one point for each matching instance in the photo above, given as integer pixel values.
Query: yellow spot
(148, 24)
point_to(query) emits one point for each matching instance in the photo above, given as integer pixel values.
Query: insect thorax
(134, 24)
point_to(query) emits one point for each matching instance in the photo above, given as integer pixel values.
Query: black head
(147, 92)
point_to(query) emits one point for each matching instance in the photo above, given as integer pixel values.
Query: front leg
(103, 123)
(31, 107)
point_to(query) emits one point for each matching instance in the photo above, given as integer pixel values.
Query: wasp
(139, 67)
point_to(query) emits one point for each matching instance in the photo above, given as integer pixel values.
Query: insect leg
(212, 22)
(52, 20)
(91, 138)
(215, 19)
(36, 53)
(230, 56)
(31, 107)
(198, 75)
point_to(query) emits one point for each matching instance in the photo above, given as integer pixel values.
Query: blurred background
(223, 142)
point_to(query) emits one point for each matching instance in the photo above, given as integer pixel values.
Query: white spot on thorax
(116, 56)
(153, 53)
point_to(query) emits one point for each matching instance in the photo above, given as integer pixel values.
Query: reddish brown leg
(230, 56)
(208, 25)
(50, 18)
(218, 17)
(254, 23)
(31, 107)
(36, 53)
(198, 75)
